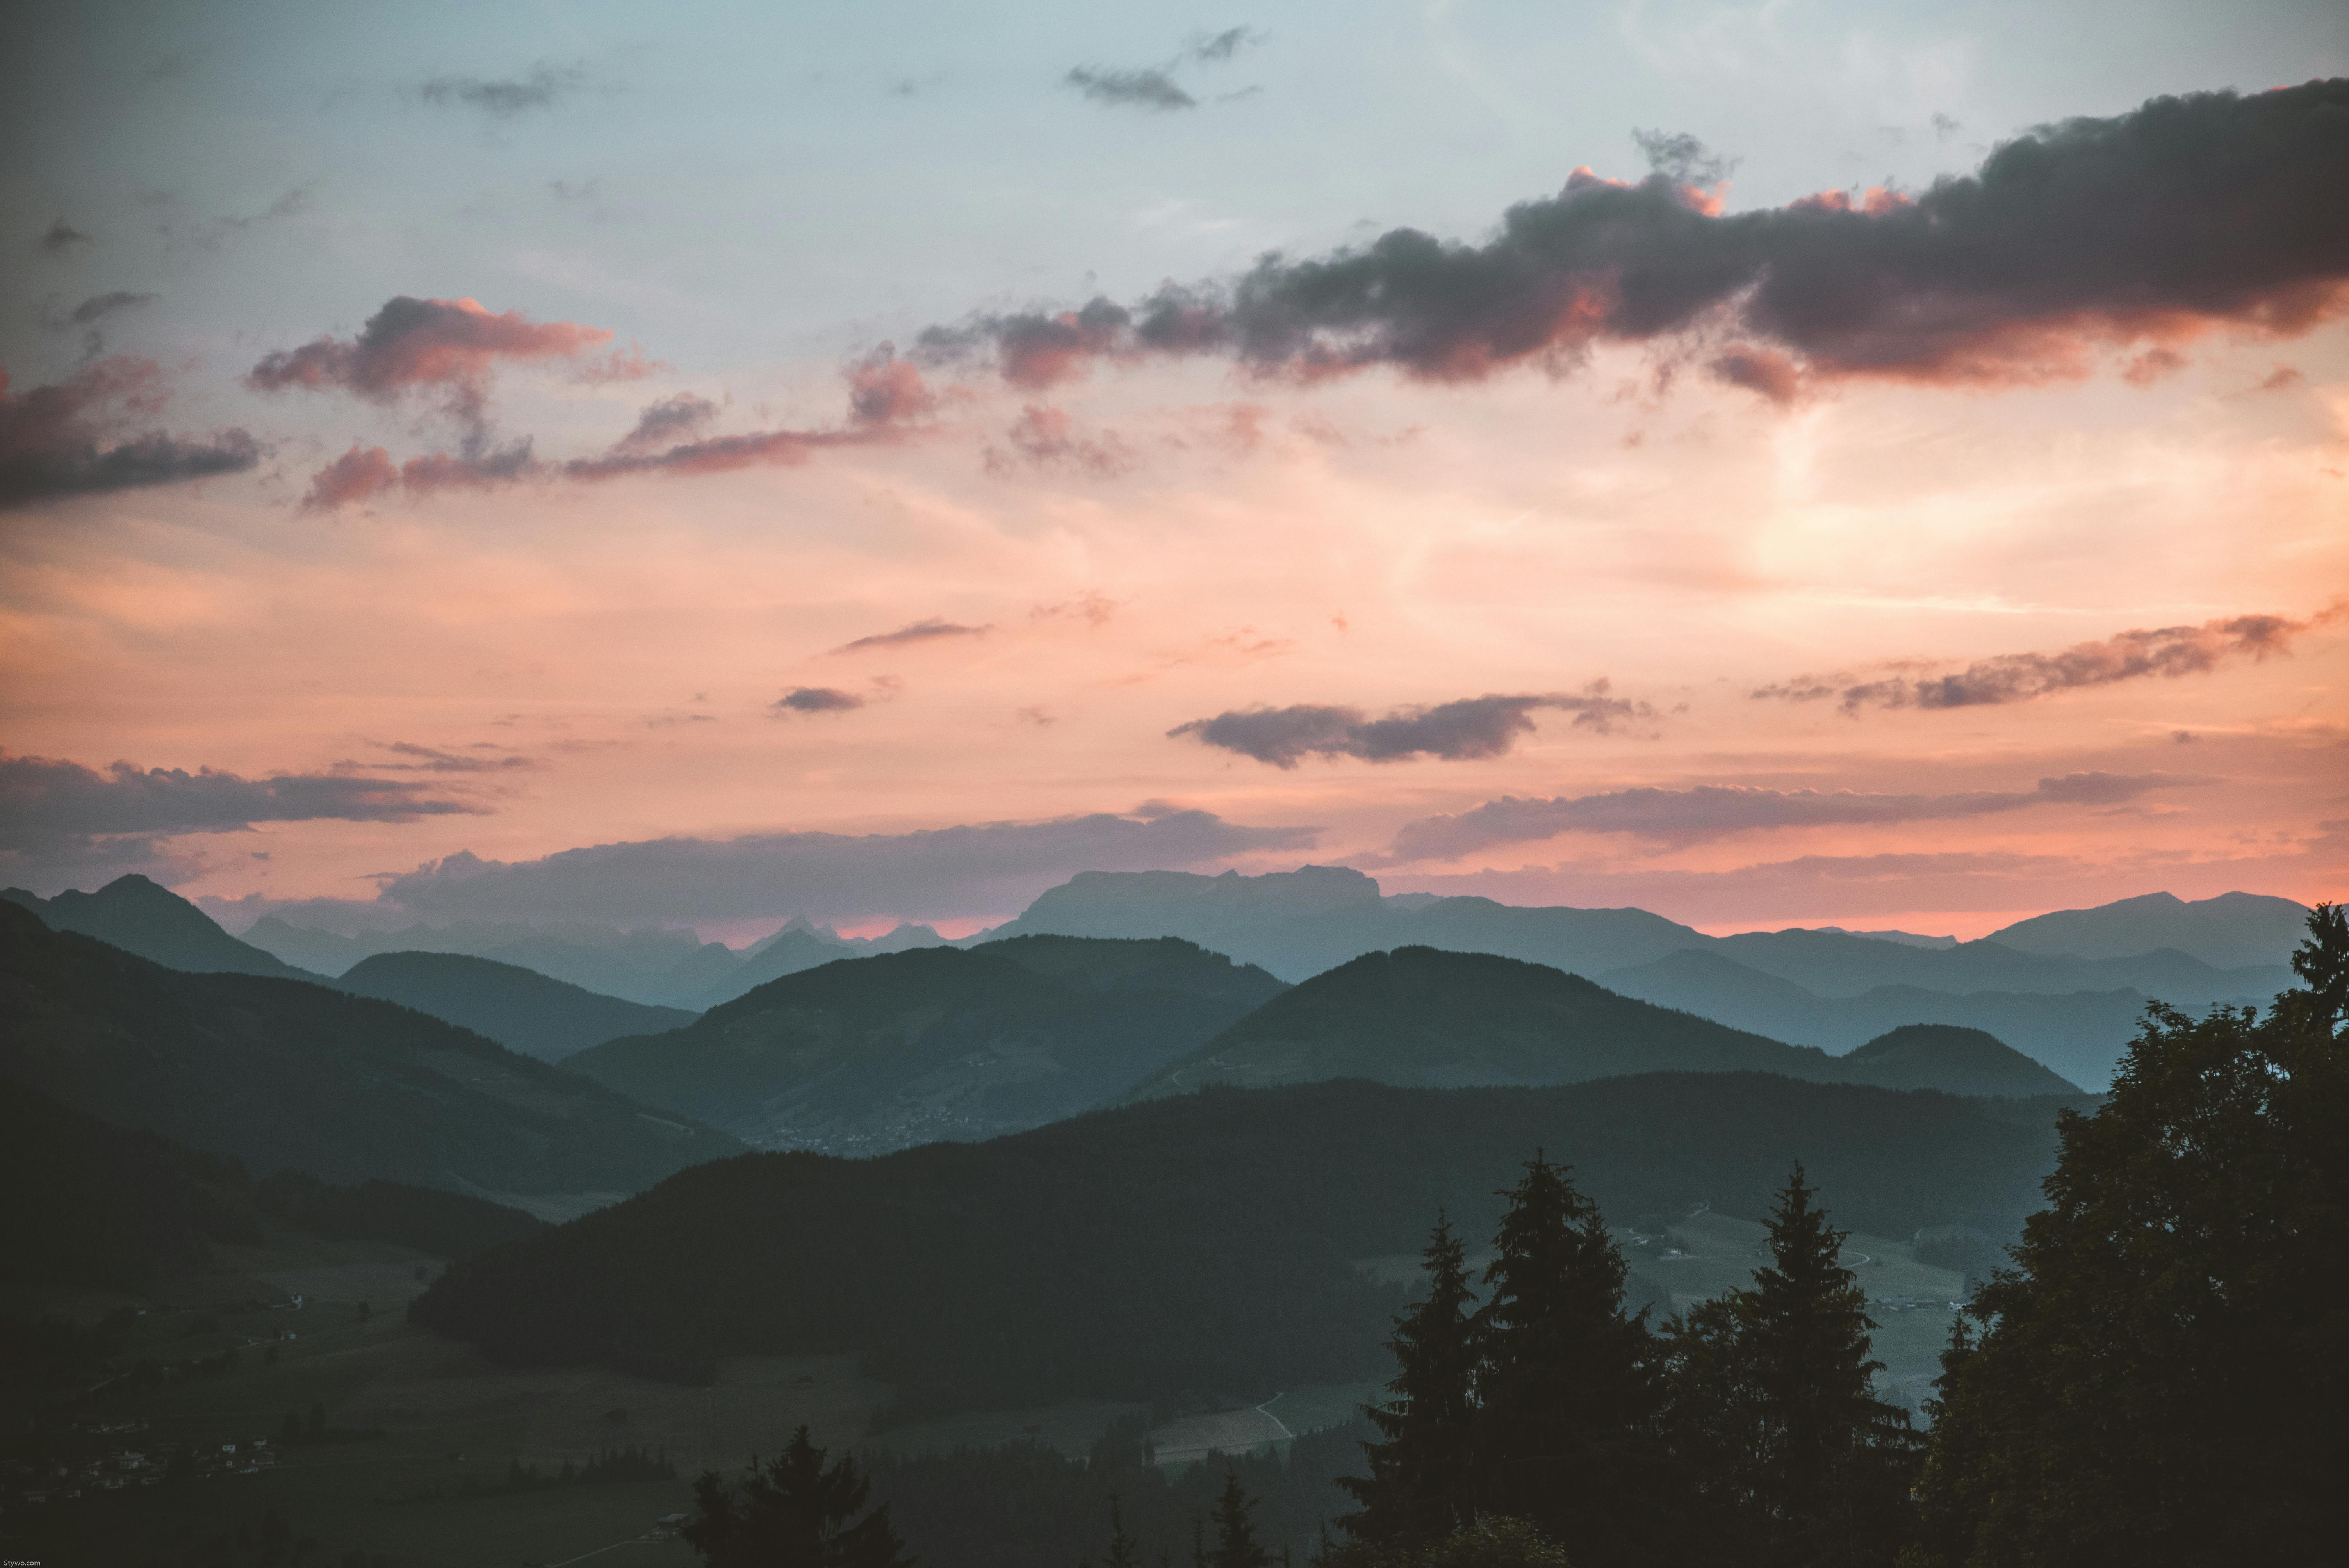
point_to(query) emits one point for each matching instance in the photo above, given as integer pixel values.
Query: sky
(1786, 464)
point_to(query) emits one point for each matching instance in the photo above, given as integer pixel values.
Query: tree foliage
(1419, 1488)
(2161, 1376)
(1784, 1450)
(793, 1511)
(1565, 1382)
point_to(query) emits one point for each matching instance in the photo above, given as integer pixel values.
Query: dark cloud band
(48, 805)
(978, 868)
(2187, 213)
(1471, 728)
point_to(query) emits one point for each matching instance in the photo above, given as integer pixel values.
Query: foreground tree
(1236, 1543)
(1565, 1389)
(1789, 1455)
(794, 1512)
(2162, 1378)
(1418, 1489)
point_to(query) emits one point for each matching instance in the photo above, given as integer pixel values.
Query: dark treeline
(1021, 1505)
(446, 1224)
(1185, 1250)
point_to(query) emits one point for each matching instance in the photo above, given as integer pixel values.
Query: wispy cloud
(924, 631)
(1708, 812)
(502, 98)
(2166, 651)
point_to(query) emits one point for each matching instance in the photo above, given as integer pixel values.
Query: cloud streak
(1471, 728)
(1724, 811)
(455, 353)
(924, 631)
(2188, 215)
(80, 437)
(504, 98)
(2167, 651)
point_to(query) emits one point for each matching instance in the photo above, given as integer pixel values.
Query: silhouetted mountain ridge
(520, 1008)
(286, 1073)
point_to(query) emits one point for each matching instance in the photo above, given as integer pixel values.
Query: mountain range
(647, 964)
(281, 1073)
(1831, 989)
(879, 1053)
(1422, 1018)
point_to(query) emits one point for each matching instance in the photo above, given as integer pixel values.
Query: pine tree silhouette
(1566, 1390)
(794, 1512)
(1419, 1485)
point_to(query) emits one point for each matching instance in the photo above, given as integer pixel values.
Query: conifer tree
(2161, 1379)
(1124, 1551)
(1565, 1389)
(1419, 1485)
(794, 1512)
(1791, 1457)
(1236, 1543)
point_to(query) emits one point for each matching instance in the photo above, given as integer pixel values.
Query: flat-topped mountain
(520, 1008)
(285, 1073)
(936, 1042)
(137, 916)
(1420, 1017)
(2230, 931)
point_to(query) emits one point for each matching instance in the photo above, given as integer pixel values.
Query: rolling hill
(1197, 1245)
(520, 1008)
(286, 1074)
(1952, 1059)
(1419, 1017)
(879, 1053)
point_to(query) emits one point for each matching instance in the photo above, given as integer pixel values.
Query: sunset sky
(567, 462)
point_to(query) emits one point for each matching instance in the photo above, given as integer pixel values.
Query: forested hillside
(1200, 1242)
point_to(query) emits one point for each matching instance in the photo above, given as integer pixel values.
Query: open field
(424, 1434)
(1070, 1428)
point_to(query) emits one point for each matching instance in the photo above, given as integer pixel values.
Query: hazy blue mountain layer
(2230, 931)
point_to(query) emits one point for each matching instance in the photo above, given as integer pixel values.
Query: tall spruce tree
(1565, 1388)
(1236, 1543)
(794, 1512)
(1835, 1462)
(1418, 1489)
(2161, 1378)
